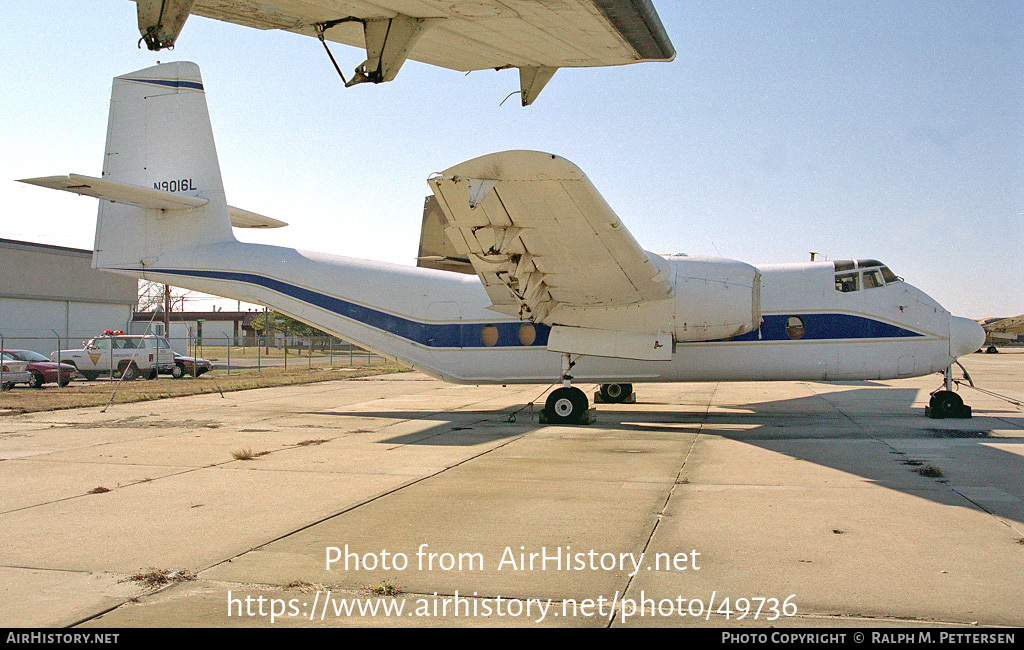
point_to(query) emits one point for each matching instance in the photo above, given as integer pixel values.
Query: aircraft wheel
(946, 403)
(616, 393)
(566, 405)
(991, 350)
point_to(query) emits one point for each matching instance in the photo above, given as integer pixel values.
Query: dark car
(188, 366)
(43, 370)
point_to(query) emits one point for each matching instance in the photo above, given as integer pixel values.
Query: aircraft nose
(965, 336)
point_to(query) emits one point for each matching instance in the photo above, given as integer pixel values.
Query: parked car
(119, 355)
(187, 367)
(43, 370)
(14, 371)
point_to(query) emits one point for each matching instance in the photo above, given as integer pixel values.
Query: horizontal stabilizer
(244, 219)
(144, 197)
(140, 197)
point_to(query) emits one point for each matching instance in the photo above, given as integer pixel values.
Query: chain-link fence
(257, 353)
(226, 354)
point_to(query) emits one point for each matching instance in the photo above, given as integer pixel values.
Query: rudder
(159, 136)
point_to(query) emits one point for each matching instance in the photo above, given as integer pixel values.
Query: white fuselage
(439, 322)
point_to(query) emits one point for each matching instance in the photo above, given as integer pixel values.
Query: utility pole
(167, 312)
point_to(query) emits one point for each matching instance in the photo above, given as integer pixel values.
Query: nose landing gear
(945, 403)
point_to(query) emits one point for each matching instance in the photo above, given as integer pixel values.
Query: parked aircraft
(1002, 331)
(561, 292)
(538, 38)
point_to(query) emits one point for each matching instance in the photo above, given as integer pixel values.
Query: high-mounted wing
(542, 239)
(537, 37)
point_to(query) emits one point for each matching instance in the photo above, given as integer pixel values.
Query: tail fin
(159, 137)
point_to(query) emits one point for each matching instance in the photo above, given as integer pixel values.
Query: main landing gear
(945, 403)
(615, 394)
(569, 405)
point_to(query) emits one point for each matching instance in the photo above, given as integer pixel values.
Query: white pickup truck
(119, 355)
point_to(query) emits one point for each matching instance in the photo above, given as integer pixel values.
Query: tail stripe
(170, 83)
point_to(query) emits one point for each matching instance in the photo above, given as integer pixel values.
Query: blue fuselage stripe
(817, 326)
(432, 335)
(171, 83)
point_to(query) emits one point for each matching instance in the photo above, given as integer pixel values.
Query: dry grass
(50, 398)
(304, 586)
(159, 577)
(385, 589)
(930, 471)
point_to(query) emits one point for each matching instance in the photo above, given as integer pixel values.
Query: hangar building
(52, 298)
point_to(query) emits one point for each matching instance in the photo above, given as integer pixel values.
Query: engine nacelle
(714, 298)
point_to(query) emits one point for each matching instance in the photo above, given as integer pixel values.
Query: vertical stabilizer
(159, 137)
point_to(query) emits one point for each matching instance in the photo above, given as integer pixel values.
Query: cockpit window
(874, 272)
(847, 282)
(873, 279)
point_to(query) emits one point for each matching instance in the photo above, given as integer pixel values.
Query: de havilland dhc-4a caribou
(560, 292)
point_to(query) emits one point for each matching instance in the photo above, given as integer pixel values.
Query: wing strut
(388, 43)
(320, 28)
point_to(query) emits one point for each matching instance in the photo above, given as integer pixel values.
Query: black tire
(616, 393)
(63, 383)
(36, 380)
(130, 372)
(90, 376)
(178, 371)
(566, 405)
(991, 350)
(946, 403)
(7, 385)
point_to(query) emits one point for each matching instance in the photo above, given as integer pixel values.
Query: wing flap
(540, 236)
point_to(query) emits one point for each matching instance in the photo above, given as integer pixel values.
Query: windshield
(863, 274)
(27, 355)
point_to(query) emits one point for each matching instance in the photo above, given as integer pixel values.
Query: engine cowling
(714, 298)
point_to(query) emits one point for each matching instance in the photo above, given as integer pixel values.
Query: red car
(43, 370)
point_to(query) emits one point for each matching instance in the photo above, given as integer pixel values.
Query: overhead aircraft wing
(537, 37)
(541, 237)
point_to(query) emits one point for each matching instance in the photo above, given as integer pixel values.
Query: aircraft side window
(527, 334)
(872, 279)
(489, 335)
(795, 327)
(889, 276)
(847, 282)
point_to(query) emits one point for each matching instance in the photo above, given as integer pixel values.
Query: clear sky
(875, 129)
